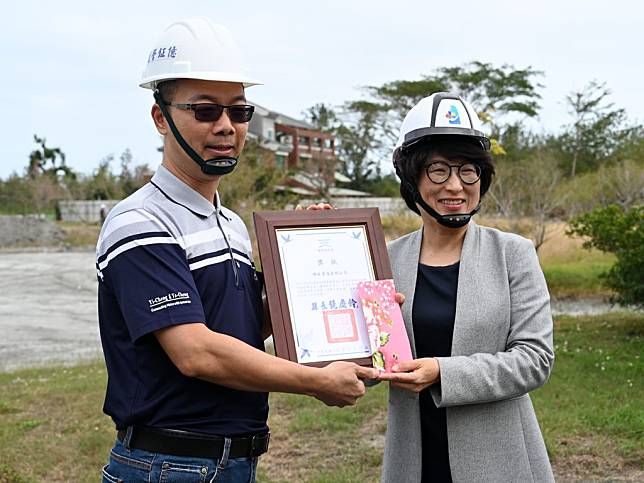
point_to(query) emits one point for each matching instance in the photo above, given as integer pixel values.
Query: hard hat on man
(196, 48)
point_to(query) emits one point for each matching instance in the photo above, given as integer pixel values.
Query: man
(179, 300)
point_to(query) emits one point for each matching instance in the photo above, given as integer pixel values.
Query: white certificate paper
(321, 267)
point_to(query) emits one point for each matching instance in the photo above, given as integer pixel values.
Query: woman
(477, 314)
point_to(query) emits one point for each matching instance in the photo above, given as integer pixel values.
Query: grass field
(571, 271)
(80, 234)
(52, 427)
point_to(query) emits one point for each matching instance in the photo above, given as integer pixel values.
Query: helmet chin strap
(216, 166)
(450, 221)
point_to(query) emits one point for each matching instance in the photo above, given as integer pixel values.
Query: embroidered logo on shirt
(173, 298)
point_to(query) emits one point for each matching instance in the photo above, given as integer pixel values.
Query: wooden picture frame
(322, 223)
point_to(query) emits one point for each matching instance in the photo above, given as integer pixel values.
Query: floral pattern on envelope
(385, 325)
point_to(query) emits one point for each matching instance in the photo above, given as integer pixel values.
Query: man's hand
(342, 383)
(413, 375)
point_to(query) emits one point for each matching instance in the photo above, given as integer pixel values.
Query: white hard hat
(441, 113)
(195, 48)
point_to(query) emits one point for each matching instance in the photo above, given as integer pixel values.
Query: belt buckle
(255, 449)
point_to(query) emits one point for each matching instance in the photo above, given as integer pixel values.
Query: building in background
(295, 143)
(301, 148)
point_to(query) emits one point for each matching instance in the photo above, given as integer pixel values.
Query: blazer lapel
(467, 301)
(406, 271)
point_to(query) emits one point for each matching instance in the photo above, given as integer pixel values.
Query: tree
(530, 188)
(612, 229)
(396, 98)
(130, 180)
(495, 92)
(252, 185)
(596, 130)
(631, 146)
(16, 195)
(518, 143)
(543, 199)
(319, 172)
(620, 183)
(323, 117)
(104, 184)
(359, 143)
(47, 160)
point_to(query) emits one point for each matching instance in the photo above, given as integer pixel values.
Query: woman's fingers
(407, 366)
(404, 377)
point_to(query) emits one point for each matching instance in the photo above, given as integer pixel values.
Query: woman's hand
(413, 375)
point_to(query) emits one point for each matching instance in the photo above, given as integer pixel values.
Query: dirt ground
(48, 312)
(29, 230)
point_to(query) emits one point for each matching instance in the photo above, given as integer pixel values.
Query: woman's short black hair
(411, 161)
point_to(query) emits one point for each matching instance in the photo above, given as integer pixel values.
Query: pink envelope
(385, 325)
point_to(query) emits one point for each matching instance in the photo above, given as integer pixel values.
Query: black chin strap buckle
(450, 221)
(218, 166)
(453, 221)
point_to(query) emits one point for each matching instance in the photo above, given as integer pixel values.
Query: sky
(70, 69)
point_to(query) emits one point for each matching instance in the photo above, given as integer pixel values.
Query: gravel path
(48, 309)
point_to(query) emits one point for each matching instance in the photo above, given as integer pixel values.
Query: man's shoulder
(133, 217)
(136, 201)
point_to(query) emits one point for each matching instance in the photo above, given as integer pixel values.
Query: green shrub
(612, 229)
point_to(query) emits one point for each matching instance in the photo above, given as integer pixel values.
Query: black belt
(199, 445)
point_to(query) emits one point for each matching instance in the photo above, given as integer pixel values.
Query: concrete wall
(89, 211)
(86, 211)
(387, 206)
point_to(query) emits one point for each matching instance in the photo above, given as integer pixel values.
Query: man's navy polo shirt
(167, 256)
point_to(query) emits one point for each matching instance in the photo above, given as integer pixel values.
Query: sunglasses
(208, 112)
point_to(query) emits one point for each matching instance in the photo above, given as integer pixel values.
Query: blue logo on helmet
(452, 115)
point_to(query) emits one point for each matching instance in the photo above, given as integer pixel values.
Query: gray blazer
(501, 350)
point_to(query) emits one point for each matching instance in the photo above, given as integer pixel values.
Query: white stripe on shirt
(155, 240)
(218, 259)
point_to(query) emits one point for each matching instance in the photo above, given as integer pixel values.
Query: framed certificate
(312, 261)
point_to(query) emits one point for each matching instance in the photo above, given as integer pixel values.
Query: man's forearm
(199, 352)
(233, 363)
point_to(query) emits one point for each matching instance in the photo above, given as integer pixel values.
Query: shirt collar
(180, 193)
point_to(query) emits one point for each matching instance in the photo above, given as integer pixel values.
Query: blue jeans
(136, 465)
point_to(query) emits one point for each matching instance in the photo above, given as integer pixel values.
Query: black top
(433, 316)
